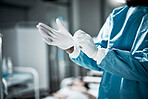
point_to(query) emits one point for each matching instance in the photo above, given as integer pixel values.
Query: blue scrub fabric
(125, 67)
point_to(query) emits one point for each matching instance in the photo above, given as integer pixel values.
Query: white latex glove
(60, 38)
(87, 45)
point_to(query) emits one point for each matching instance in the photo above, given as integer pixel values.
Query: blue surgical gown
(125, 67)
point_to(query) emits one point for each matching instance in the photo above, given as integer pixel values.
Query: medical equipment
(10, 66)
(23, 81)
(66, 85)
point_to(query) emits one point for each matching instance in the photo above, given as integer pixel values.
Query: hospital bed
(23, 80)
(93, 79)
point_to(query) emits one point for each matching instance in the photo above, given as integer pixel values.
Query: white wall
(32, 51)
(45, 12)
(9, 47)
(86, 16)
(26, 48)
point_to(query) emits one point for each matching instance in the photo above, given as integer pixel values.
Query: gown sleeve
(128, 64)
(82, 59)
(86, 62)
(132, 65)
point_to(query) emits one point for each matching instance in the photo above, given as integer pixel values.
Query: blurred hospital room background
(29, 68)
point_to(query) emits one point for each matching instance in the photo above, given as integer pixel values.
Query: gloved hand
(87, 45)
(85, 42)
(60, 38)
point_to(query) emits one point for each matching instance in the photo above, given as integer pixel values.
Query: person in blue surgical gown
(121, 50)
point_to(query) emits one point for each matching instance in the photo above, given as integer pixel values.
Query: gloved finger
(79, 34)
(83, 36)
(86, 43)
(78, 43)
(47, 27)
(77, 40)
(45, 35)
(81, 44)
(52, 32)
(60, 25)
(84, 39)
(80, 39)
(48, 41)
(48, 33)
(44, 28)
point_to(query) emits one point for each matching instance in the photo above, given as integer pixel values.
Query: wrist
(75, 53)
(70, 50)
